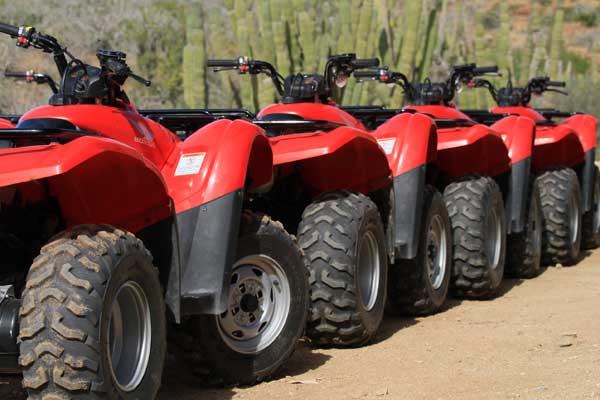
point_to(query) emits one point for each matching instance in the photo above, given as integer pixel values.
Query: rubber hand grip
(365, 63)
(223, 63)
(485, 70)
(9, 29)
(556, 83)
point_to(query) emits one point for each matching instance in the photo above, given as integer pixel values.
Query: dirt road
(539, 340)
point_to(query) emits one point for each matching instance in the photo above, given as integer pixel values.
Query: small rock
(567, 339)
(382, 392)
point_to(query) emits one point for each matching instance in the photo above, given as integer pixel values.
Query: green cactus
(407, 53)
(307, 41)
(194, 60)
(556, 38)
(266, 49)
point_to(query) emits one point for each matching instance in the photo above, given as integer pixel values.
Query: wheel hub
(369, 270)
(493, 238)
(249, 303)
(573, 218)
(436, 252)
(129, 336)
(259, 303)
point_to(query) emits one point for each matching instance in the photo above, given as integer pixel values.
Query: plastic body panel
(4, 123)
(410, 144)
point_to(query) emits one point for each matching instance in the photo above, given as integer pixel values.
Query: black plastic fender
(518, 192)
(588, 176)
(408, 197)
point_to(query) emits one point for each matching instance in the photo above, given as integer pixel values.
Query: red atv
(484, 174)
(107, 216)
(563, 158)
(337, 190)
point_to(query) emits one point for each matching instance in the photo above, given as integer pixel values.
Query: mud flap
(207, 237)
(408, 199)
(518, 192)
(588, 176)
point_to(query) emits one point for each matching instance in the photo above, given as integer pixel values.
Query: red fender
(4, 124)
(409, 141)
(344, 158)
(556, 145)
(518, 134)
(95, 180)
(473, 150)
(585, 127)
(228, 152)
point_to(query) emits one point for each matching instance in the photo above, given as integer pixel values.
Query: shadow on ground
(182, 383)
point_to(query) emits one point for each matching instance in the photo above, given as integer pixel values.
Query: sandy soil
(539, 340)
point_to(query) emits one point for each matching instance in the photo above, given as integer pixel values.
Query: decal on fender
(387, 145)
(189, 164)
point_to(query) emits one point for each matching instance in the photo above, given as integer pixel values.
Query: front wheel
(420, 286)
(342, 236)
(525, 248)
(93, 319)
(561, 205)
(266, 310)
(476, 210)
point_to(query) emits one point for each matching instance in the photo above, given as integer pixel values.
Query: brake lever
(558, 91)
(224, 69)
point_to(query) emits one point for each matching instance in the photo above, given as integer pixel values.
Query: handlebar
(373, 74)
(556, 84)
(9, 29)
(485, 70)
(365, 63)
(223, 63)
(21, 75)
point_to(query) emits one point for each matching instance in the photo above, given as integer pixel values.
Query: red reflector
(243, 68)
(22, 39)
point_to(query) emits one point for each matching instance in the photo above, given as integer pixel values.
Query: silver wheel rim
(535, 226)
(597, 208)
(258, 305)
(573, 218)
(493, 238)
(436, 252)
(369, 270)
(129, 336)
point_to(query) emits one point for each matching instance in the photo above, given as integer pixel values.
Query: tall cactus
(503, 41)
(266, 50)
(363, 33)
(556, 38)
(406, 58)
(194, 59)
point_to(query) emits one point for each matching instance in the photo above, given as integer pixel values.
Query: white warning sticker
(189, 164)
(387, 145)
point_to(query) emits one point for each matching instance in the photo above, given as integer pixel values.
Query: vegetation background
(168, 41)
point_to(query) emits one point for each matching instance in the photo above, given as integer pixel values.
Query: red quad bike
(9, 121)
(107, 216)
(337, 191)
(484, 175)
(563, 160)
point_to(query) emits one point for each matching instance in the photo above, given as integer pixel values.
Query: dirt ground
(539, 340)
